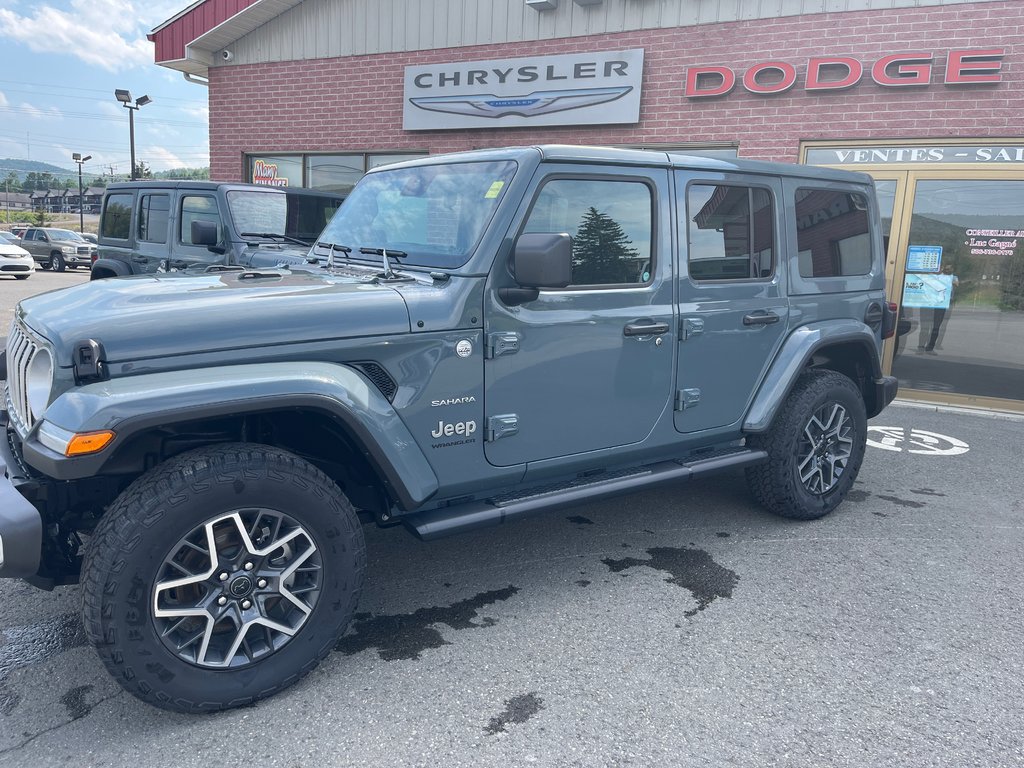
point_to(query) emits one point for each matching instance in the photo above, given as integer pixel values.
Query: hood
(136, 318)
(9, 249)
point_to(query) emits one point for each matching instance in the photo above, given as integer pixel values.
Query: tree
(143, 171)
(99, 181)
(601, 252)
(41, 218)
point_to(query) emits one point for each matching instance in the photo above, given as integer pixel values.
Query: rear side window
(832, 232)
(196, 208)
(730, 232)
(117, 217)
(153, 214)
(610, 223)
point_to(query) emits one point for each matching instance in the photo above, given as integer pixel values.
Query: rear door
(733, 308)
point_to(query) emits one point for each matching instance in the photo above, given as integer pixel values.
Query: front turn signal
(88, 442)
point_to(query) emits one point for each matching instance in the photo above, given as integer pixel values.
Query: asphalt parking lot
(682, 626)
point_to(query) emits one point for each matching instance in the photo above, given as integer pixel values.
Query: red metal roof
(171, 37)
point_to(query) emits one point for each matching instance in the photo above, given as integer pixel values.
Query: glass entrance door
(960, 285)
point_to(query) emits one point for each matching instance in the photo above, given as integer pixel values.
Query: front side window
(610, 223)
(154, 211)
(435, 214)
(117, 217)
(730, 232)
(833, 238)
(196, 208)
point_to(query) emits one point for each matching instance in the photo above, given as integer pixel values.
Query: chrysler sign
(575, 89)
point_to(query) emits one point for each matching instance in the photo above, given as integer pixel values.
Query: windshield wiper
(385, 254)
(334, 247)
(269, 235)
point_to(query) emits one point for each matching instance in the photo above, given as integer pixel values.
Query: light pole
(125, 97)
(77, 157)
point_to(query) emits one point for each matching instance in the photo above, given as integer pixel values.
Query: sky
(60, 62)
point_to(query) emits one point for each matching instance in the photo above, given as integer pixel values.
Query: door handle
(139, 259)
(645, 328)
(761, 317)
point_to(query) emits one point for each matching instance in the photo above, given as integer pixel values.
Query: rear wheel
(221, 577)
(815, 447)
(57, 262)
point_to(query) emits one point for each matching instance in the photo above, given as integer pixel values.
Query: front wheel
(57, 262)
(221, 577)
(815, 447)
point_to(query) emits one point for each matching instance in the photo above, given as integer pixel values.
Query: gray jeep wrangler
(173, 226)
(497, 333)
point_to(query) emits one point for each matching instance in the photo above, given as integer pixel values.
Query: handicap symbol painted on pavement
(917, 441)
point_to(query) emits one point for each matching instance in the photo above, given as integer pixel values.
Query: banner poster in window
(927, 291)
(924, 258)
(267, 174)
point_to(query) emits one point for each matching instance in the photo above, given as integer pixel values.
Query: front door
(732, 297)
(589, 366)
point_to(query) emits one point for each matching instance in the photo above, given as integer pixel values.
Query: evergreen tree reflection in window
(601, 252)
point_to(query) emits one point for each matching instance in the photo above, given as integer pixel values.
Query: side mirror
(543, 260)
(205, 233)
(539, 260)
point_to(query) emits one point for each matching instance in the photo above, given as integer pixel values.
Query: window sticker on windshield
(495, 190)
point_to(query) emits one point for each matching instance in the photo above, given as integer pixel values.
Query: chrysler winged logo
(536, 103)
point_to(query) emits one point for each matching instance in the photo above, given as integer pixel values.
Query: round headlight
(39, 381)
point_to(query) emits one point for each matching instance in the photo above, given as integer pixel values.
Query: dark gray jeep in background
(172, 226)
(496, 333)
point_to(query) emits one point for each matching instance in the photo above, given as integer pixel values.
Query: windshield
(293, 215)
(8, 237)
(435, 213)
(64, 234)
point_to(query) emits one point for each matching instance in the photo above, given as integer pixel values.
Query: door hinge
(498, 427)
(499, 344)
(687, 398)
(690, 326)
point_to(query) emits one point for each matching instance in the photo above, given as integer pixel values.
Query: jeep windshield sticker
(495, 189)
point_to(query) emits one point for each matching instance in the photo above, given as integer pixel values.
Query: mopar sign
(575, 89)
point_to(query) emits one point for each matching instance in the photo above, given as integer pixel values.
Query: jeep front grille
(21, 348)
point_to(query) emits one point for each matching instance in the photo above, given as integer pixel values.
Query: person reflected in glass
(933, 320)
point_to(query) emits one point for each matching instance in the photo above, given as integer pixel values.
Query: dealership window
(610, 224)
(730, 232)
(117, 217)
(328, 172)
(154, 211)
(832, 233)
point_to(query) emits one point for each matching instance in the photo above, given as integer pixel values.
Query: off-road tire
(57, 262)
(132, 541)
(777, 484)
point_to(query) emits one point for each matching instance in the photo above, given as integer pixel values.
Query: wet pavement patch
(858, 496)
(518, 710)
(580, 520)
(405, 636)
(692, 569)
(926, 492)
(74, 702)
(22, 646)
(722, 535)
(903, 502)
(583, 583)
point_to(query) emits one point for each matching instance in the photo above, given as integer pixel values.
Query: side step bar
(447, 521)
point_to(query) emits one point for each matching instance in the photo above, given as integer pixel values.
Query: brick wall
(355, 103)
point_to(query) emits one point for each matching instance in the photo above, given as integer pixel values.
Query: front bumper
(21, 527)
